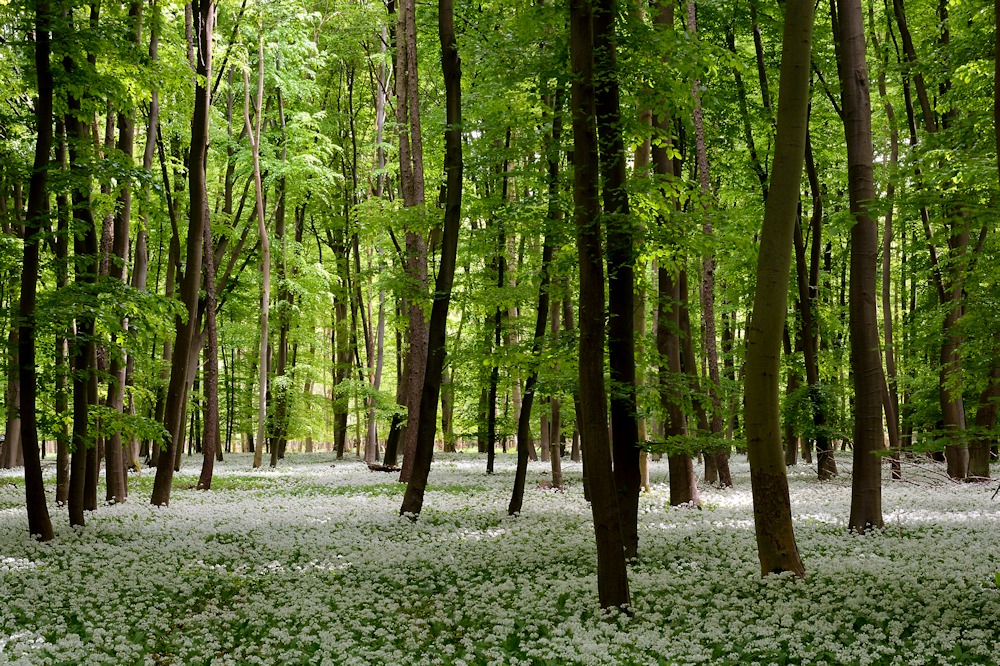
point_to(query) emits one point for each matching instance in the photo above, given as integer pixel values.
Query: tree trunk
(83, 355)
(186, 328)
(253, 132)
(211, 442)
(683, 482)
(776, 546)
(411, 176)
(716, 455)
(451, 68)
(620, 231)
(554, 219)
(612, 575)
(39, 523)
(866, 361)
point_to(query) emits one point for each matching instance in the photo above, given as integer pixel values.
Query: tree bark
(451, 69)
(411, 176)
(683, 482)
(776, 546)
(620, 230)
(39, 523)
(253, 132)
(612, 575)
(186, 328)
(553, 220)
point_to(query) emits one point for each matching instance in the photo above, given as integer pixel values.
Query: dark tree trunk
(186, 328)
(619, 227)
(527, 401)
(39, 524)
(83, 352)
(612, 575)
(211, 442)
(451, 67)
(683, 482)
(411, 176)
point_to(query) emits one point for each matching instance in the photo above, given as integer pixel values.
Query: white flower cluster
(311, 564)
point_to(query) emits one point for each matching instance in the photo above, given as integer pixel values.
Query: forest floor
(309, 563)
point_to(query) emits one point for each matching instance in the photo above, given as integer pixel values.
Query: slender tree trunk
(83, 351)
(186, 328)
(62, 360)
(253, 131)
(39, 523)
(527, 401)
(716, 456)
(620, 230)
(612, 575)
(451, 68)
(808, 285)
(683, 482)
(211, 442)
(776, 546)
(411, 175)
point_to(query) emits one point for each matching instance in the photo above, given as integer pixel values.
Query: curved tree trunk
(554, 218)
(776, 546)
(186, 328)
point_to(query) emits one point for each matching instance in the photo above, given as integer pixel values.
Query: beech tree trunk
(683, 482)
(411, 176)
(776, 546)
(620, 230)
(451, 67)
(527, 401)
(39, 523)
(186, 328)
(612, 575)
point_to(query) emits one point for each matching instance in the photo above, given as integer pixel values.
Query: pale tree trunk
(776, 546)
(612, 574)
(253, 132)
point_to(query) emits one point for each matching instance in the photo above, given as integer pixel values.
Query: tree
(186, 328)
(866, 361)
(39, 524)
(612, 575)
(452, 69)
(619, 227)
(776, 546)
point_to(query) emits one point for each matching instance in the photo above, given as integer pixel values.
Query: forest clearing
(310, 563)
